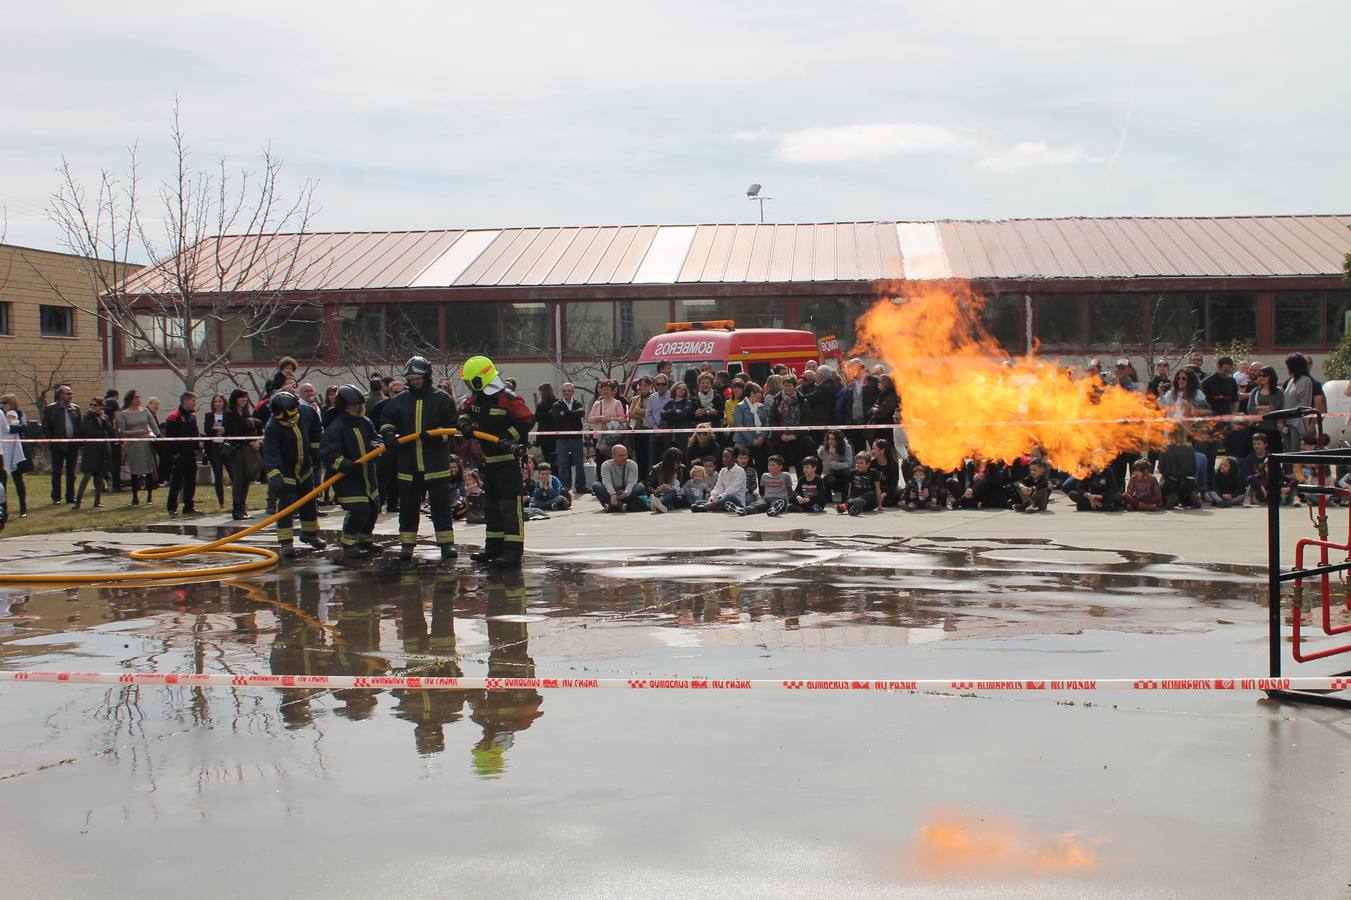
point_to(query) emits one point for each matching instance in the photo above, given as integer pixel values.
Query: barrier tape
(719, 429)
(437, 683)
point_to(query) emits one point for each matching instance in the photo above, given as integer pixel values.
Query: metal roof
(1108, 248)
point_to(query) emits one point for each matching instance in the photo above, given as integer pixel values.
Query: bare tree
(35, 375)
(231, 266)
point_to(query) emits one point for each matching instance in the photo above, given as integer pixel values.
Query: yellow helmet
(479, 373)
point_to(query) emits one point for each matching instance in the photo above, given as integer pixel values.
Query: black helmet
(284, 404)
(418, 365)
(349, 394)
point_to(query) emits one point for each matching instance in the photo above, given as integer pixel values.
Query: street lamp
(753, 193)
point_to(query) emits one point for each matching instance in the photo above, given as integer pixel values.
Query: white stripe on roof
(442, 271)
(666, 256)
(922, 251)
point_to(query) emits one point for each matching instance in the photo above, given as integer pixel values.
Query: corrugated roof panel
(846, 253)
(823, 256)
(474, 271)
(739, 255)
(579, 239)
(1041, 253)
(866, 251)
(538, 246)
(804, 252)
(1050, 232)
(539, 272)
(761, 252)
(447, 268)
(922, 255)
(407, 249)
(781, 254)
(651, 262)
(1187, 247)
(357, 255)
(509, 256)
(716, 267)
(1326, 234)
(1100, 259)
(889, 249)
(960, 245)
(586, 263)
(697, 253)
(1261, 249)
(614, 254)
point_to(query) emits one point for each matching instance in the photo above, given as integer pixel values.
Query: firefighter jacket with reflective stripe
(413, 412)
(347, 439)
(503, 415)
(290, 450)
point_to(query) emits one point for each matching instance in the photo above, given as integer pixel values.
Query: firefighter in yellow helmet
(494, 410)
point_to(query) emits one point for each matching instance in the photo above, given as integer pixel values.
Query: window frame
(68, 311)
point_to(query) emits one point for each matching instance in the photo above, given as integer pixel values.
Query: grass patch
(44, 518)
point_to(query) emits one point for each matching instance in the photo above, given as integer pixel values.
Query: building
(542, 301)
(48, 336)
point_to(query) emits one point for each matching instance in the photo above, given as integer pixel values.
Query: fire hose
(266, 557)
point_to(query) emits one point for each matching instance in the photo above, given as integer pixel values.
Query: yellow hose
(268, 557)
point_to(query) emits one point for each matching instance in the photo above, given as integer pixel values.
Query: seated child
(863, 490)
(696, 489)
(920, 491)
(548, 493)
(775, 490)
(1142, 491)
(1034, 490)
(810, 494)
(1226, 488)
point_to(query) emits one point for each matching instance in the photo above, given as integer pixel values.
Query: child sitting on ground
(1142, 490)
(811, 493)
(920, 492)
(473, 492)
(459, 501)
(1226, 488)
(743, 459)
(1034, 491)
(696, 489)
(863, 490)
(730, 491)
(548, 493)
(775, 490)
(711, 471)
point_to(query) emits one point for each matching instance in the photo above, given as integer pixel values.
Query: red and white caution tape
(413, 683)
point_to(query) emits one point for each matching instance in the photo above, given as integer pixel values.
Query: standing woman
(883, 412)
(136, 421)
(213, 426)
(245, 463)
(13, 458)
(94, 455)
(608, 417)
(164, 450)
(544, 421)
(678, 414)
(1264, 397)
(1298, 390)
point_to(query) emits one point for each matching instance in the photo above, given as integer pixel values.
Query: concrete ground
(220, 792)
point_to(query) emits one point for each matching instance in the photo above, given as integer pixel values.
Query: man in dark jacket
(568, 415)
(61, 419)
(1099, 491)
(387, 464)
(182, 423)
(424, 464)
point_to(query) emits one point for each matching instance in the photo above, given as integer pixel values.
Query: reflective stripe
(405, 476)
(417, 427)
(347, 540)
(361, 451)
(407, 537)
(284, 535)
(514, 539)
(309, 526)
(506, 458)
(493, 534)
(300, 447)
(445, 537)
(497, 411)
(273, 473)
(286, 480)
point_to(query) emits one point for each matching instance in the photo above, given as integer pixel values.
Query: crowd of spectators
(789, 452)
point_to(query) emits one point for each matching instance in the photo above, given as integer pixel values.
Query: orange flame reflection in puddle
(959, 398)
(952, 844)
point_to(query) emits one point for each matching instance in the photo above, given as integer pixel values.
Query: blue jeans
(557, 503)
(1202, 472)
(569, 460)
(635, 501)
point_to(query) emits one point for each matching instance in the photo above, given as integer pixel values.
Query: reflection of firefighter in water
(301, 646)
(430, 711)
(503, 713)
(358, 639)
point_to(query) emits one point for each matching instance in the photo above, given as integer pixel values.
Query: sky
(411, 115)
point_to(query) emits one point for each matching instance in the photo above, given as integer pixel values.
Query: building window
(361, 331)
(1116, 322)
(300, 335)
(525, 330)
(56, 321)
(1231, 319)
(746, 312)
(1002, 316)
(163, 336)
(471, 329)
(4, 318)
(1338, 308)
(589, 329)
(1299, 320)
(827, 316)
(1061, 320)
(412, 329)
(1177, 323)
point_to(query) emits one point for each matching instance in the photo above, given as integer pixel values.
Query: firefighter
(423, 466)
(495, 410)
(290, 442)
(349, 437)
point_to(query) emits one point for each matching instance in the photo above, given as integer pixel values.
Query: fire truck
(755, 351)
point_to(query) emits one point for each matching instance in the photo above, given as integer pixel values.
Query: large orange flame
(961, 399)
(954, 844)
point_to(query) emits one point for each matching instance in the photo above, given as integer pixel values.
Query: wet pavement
(411, 793)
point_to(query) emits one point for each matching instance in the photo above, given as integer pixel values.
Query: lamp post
(753, 193)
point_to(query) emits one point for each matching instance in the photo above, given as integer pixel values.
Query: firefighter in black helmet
(349, 437)
(423, 465)
(495, 410)
(289, 444)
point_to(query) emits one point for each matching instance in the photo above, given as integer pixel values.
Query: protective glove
(466, 425)
(348, 466)
(276, 483)
(505, 446)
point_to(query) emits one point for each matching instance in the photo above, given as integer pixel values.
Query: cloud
(853, 142)
(752, 136)
(1034, 154)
